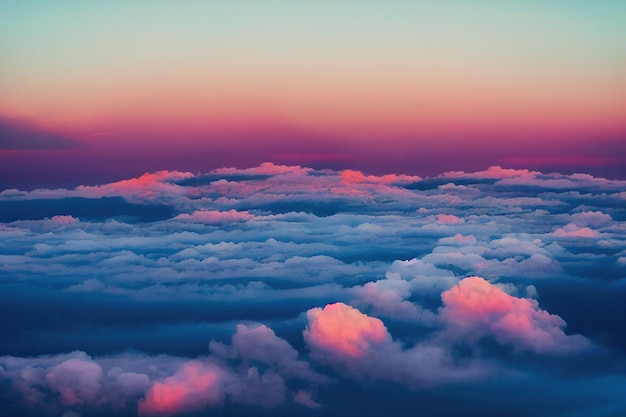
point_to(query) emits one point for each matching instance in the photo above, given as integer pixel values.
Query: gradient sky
(110, 89)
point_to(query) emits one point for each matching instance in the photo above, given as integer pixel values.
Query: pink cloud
(148, 187)
(458, 239)
(215, 216)
(64, 220)
(448, 219)
(354, 177)
(493, 172)
(572, 230)
(361, 346)
(474, 308)
(266, 168)
(344, 331)
(193, 387)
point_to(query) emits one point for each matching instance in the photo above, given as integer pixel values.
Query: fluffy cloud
(572, 230)
(77, 381)
(361, 346)
(192, 387)
(360, 262)
(474, 307)
(343, 331)
(388, 299)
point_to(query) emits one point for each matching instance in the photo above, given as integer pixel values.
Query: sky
(318, 209)
(285, 290)
(108, 90)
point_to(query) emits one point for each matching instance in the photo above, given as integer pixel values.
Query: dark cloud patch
(22, 135)
(207, 179)
(87, 208)
(102, 323)
(592, 308)
(434, 183)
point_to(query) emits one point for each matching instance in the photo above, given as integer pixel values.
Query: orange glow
(339, 328)
(476, 297)
(194, 386)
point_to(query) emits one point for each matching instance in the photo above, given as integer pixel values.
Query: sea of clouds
(283, 290)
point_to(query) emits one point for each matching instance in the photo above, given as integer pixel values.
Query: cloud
(77, 381)
(475, 307)
(305, 398)
(362, 347)
(572, 230)
(448, 219)
(345, 271)
(591, 218)
(192, 387)
(388, 299)
(253, 369)
(493, 172)
(343, 331)
(260, 343)
(215, 216)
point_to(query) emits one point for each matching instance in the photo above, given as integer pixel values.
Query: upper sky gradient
(419, 87)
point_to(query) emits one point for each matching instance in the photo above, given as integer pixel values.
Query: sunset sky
(312, 208)
(103, 90)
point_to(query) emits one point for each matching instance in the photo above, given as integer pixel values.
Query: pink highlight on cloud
(193, 387)
(351, 176)
(344, 331)
(266, 168)
(475, 308)
(215, 216)
(448, 219)
(493, 172)
(147, 187)
(469, 239)
(64, 220)
(572, 230)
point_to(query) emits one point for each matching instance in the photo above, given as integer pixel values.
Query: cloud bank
(288, 290)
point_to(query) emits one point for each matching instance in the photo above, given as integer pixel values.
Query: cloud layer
(289, 290)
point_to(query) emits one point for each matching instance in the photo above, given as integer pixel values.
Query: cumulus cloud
(260, 343)
(474, 307)
(194, 386)
(388, 298)
(361, 346)
(77, 381)
(572, 230)
(591, 218)
(448, 219)
(344, 332)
